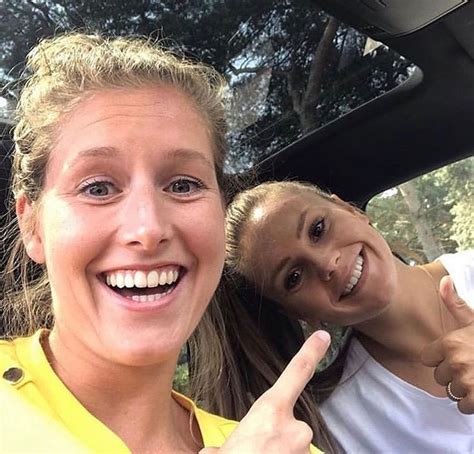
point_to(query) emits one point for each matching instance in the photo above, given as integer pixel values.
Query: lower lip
(147, 306)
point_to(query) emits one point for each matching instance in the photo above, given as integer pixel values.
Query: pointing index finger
(291, 383)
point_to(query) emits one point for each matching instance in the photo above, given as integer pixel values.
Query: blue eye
(98, 189)
(317, 229)
(185, 186)
(292, 280)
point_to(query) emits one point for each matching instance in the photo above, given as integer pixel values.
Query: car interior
(423, 124)
(422, 120)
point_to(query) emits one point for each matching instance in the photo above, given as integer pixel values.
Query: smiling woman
(112, 200)
(117, 249)
(406, 372)
(120, 214)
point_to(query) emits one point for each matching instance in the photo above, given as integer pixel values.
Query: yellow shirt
(39, 414)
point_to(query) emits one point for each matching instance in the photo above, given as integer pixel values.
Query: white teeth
(141, 279)
(356, 274)
(120, 278)
(148, 298)
(152, 279)
(163, 278)
(129, 281)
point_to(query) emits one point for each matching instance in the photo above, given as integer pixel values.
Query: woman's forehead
(287, 202)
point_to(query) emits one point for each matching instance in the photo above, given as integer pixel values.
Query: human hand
(270, 425)
(452, 355)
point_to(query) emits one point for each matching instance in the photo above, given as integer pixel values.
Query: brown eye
(292, 280)
(317, 229)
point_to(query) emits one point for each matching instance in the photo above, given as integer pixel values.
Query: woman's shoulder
(460, 266)
(463, 258)
(25, 429)
(13, 353)
(8, 358)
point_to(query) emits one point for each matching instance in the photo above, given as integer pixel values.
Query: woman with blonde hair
(303, 254)
(116, 251)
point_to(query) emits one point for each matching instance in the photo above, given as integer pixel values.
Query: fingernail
(451, 284)
(324, 336)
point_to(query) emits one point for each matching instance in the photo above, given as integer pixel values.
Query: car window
(429, 215)
(291, 67)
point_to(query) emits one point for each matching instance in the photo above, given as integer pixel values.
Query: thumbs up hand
(452, 355)
(270, 425)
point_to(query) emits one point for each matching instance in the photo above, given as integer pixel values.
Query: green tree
(291, 67)
(444, 206)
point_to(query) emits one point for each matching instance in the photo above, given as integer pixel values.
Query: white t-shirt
(374, 411)
(460, 267)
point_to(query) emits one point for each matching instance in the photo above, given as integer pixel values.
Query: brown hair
(62, 71)
(257, 339)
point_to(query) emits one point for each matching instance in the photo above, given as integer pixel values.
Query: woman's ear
(26, 213)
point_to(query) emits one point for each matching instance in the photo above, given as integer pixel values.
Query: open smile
(144, 286)
(355, 276)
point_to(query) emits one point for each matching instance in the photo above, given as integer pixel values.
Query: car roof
(421, 125)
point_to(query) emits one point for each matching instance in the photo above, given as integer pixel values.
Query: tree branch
(313, 87)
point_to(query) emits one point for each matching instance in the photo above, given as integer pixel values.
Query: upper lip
(141, 267)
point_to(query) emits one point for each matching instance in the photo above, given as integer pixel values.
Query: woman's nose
(145, 221)
(328, 263)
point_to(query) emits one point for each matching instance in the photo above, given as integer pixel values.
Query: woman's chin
(142, 352)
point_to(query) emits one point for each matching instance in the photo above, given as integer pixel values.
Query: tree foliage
(291, 67)
(445, 208)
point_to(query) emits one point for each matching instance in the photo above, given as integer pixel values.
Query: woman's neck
(415, 317)
(134, 402)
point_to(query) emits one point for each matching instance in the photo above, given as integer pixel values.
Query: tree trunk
(430, 246)
(309, 117)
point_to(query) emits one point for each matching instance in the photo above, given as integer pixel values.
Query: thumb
(209, 451)
(458, 308)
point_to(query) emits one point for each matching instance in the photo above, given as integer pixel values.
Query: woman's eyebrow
(278, 269)
(95, 152)
(285, 260)
(301, 221)
(184, 154)
(189, 154)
